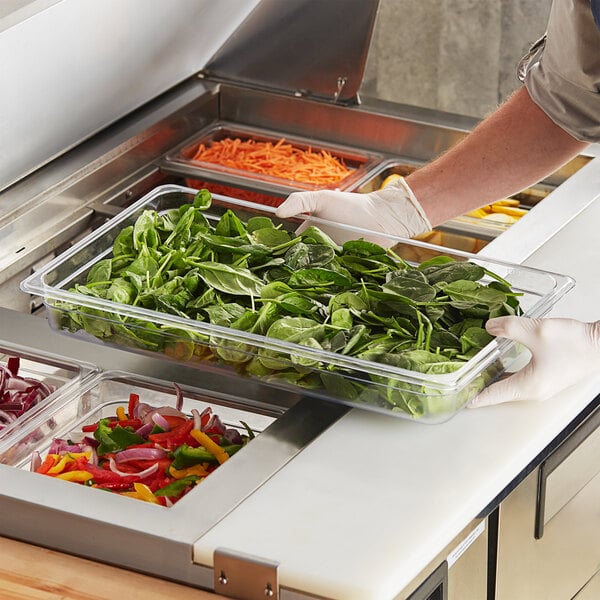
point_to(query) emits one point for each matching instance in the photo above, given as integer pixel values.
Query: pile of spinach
(358, 300)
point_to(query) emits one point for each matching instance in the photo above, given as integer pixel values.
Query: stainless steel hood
(69, 69)
(80, 68)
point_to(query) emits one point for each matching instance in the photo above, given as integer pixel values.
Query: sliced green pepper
(187, 456)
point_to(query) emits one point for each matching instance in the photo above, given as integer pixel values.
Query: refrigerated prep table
(328, 501)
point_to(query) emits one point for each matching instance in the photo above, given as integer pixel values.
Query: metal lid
(306, 47)
(69, 69)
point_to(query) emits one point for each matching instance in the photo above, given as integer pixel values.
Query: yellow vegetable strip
(199, 470)
(507, 202)
(65, 460)
(145, 493)
(478, 213)
(209, 445)
(121, 414)
(75, 476)
(142, 492)
(509, 210)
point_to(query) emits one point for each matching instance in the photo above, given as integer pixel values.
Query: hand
(393, 210)
(564, 352)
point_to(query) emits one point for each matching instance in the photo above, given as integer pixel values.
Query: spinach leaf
(230, 225)
(270, 237)
(123, 243)
(453, 271)
(303, 256)
(313, 235)
(410, 287)
(318, 278)
(144, 231)
(203, 199)
(231, 280)
(101, 272)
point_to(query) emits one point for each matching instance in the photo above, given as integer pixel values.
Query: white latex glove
(393, 210)
(563, 353)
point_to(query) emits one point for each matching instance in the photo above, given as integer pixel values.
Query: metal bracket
(243, 576)
(341, 84)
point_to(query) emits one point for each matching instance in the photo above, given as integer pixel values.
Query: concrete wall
(456, 56)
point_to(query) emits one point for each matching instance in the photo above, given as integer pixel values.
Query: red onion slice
(160, 421)
(139, 454)
(19, 394)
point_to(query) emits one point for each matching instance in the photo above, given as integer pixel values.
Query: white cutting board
(363, 509)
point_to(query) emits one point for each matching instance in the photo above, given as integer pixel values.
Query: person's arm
(514, 147)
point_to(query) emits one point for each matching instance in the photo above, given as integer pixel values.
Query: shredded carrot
(280, 159)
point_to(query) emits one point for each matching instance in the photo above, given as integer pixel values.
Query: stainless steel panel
(571, 476)
(58, 202)
(556, 566)
(591, 590)
(360, 126)
(72, 68)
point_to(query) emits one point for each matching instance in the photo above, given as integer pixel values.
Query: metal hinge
(244, 577)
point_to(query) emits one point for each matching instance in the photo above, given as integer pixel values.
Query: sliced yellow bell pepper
(199, 470)
(509, 210)
(142, 492)
(67, 458)
(478, 213)
(75, 476)
(209, 445)
(121, 414)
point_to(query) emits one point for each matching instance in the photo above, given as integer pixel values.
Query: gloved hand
(393, 210)
(563, 353)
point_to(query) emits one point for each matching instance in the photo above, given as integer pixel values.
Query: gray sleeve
(565, 82)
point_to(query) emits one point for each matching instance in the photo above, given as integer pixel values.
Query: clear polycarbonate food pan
(100, 396)
(32, 381)
(388, 386)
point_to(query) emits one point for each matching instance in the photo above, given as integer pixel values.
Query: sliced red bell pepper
(158, 482)
(46, 465)
(173, 438)
(115, 486)
(174, 421)
(134, 400)
(79, 464)
(134, 423)
(204, 419)
(102, 476)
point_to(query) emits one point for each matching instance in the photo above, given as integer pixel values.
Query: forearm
(513, 148)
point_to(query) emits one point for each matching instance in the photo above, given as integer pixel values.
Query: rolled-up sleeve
(565, 81)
